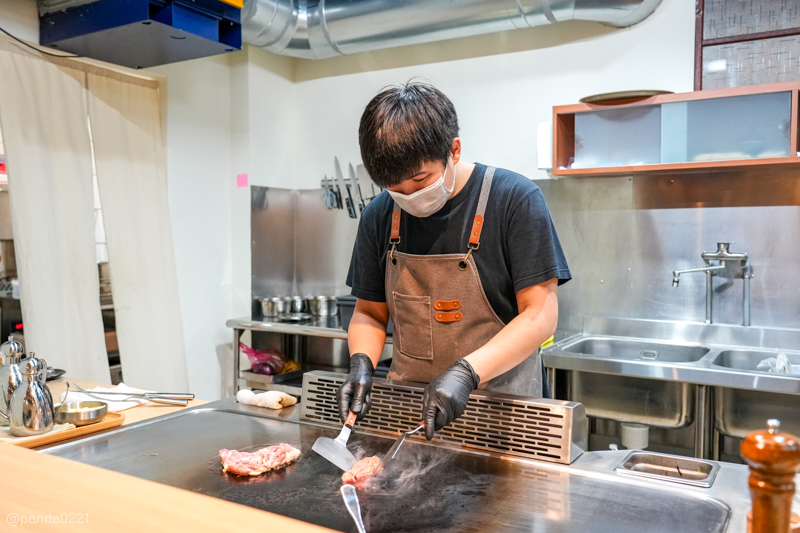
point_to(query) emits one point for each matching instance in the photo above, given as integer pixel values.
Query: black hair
(403, 128)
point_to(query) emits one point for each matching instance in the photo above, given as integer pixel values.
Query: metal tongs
(169, 398)
(399, 442)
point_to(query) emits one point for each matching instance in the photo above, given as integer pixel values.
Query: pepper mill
(773, 457)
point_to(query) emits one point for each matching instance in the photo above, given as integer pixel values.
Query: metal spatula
(351, 502)
(396, 446)
(335, 450)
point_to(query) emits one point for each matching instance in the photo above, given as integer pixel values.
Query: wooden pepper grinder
(773, 457)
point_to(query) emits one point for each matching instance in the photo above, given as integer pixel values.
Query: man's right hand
(354, 395)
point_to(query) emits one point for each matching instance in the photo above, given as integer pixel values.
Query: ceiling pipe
(318, 29)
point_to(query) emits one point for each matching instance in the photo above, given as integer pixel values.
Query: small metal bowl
(322, 305)
(80, 413)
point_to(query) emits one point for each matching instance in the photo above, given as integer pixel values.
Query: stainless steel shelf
(326, 327)
(329, 327)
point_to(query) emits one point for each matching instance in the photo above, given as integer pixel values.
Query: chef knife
(348, 200)
(335, 450)
(331, 202)
(356, 186)
(337, 194)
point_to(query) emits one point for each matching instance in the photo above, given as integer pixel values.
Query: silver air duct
(316, 29)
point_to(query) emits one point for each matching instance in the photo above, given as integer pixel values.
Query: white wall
(198, 126)
(20, 18)
(499, 97)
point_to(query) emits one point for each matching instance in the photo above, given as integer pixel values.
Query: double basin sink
(664, 352)
(630, 376)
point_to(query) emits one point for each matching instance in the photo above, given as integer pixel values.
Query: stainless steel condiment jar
(30, 411)
(11, 353)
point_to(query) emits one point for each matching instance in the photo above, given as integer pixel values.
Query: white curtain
(131, 175)
(43, 117)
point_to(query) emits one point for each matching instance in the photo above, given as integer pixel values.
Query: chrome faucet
(723, 255)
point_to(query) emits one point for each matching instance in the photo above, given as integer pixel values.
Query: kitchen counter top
(41, 488)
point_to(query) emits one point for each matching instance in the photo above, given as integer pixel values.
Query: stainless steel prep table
(430, 487)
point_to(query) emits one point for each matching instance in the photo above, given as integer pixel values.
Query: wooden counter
(40, 485)
(41, 488)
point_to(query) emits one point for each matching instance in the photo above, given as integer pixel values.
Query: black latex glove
(446, 397)
(354, 394)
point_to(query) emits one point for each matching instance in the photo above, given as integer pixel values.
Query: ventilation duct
(317, 29)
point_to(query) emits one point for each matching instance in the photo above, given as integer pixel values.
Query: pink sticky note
(241, 180)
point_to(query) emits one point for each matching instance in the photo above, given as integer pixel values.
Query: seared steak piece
(362, 472)
(260, 461)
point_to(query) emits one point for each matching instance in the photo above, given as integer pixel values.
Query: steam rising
(408, 472)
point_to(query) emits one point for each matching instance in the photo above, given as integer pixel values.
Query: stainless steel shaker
(11, 353)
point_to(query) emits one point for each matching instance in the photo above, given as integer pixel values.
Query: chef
(463, 257)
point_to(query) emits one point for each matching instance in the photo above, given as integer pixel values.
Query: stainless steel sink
(740, 411)
(748, 359)
(669, 374)
(634, 349)
(658, 403)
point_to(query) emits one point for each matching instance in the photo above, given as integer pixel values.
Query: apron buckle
(394, 243)
(463, 263)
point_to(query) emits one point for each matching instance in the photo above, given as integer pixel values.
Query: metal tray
(673, 468)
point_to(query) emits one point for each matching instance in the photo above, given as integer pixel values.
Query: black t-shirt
(519, 247)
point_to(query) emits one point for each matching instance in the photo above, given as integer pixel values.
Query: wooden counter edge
(41, 485)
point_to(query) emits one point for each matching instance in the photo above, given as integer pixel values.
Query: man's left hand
(446, 397)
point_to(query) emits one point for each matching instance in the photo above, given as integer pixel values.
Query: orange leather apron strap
(475, 232)
(448, 317)
(395, 223)
(477, 223)
(446, 305)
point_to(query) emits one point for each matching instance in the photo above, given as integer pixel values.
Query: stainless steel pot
(322, 305)
(298, 305)
(271, 307)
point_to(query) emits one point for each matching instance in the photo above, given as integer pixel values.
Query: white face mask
(427, 201)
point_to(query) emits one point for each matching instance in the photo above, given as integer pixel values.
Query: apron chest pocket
(413, 328)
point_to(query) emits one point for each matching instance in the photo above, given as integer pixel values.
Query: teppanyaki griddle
(427, 488)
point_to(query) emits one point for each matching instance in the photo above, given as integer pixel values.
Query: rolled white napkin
(271, 399)
(113, 400)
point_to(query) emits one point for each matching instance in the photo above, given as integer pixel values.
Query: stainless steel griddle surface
(427, 488)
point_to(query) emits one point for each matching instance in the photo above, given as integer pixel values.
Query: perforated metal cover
(547, 430)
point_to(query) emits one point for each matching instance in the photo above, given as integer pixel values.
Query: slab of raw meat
(362, 472)
(258, 462)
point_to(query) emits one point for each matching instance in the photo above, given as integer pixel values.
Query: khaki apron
(441, 313)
